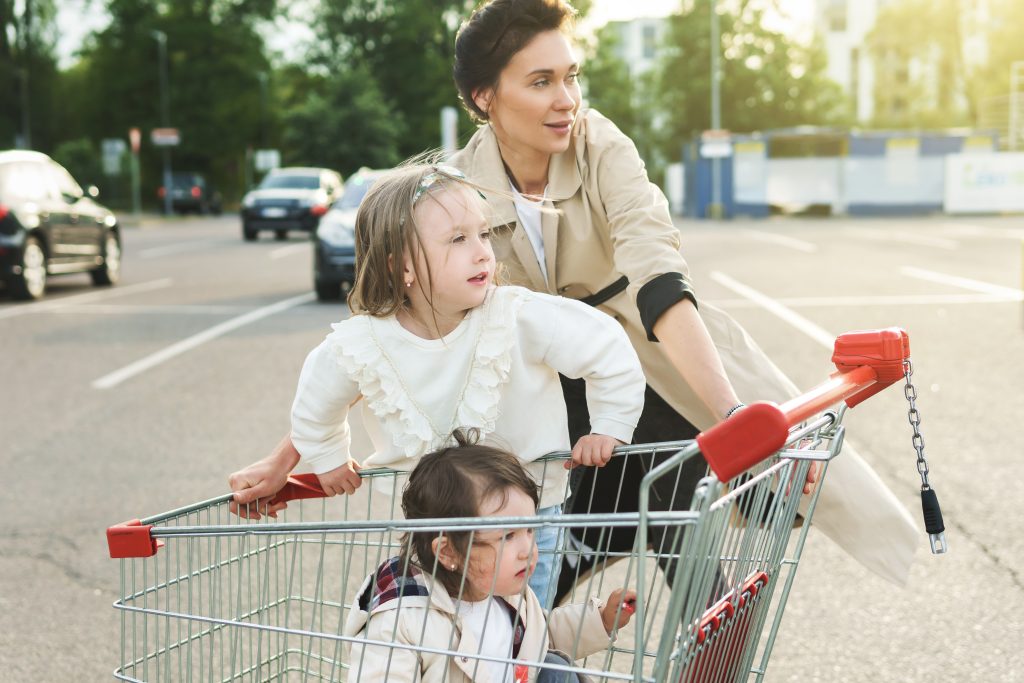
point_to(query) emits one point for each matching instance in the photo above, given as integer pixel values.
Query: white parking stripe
(177, 248)
(903, 237)
(166, 354)
(42, 306)
(281, 252)
(781, 240)
(861, 301)
(801, 323)
(126, 309)
(963, 282)
(972, 230)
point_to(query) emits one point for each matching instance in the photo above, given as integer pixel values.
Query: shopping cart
(211, 596)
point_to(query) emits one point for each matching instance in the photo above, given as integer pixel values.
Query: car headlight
(248, 200)
(337, 233)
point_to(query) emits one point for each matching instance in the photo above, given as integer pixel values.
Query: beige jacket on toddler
(417, 611)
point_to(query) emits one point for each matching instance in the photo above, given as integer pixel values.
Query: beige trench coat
(432, 622)
(611, 222)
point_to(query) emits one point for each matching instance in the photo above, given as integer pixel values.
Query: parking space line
(151, 361)
(859, 301)
(126, 309)
(281, 252)
(781, 240)
(155, 252)
(904, 237)
(974, 230)
(790, 316)
(1010, 293)
(42, 306)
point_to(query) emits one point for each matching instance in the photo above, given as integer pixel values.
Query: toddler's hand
(618, 597)
(594, 450)
(344, 479)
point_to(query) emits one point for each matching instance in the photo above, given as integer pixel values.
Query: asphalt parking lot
(132, 400)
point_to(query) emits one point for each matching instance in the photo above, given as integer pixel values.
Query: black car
(191, 192)
(334, 253)
(289, 199)
(49, 226)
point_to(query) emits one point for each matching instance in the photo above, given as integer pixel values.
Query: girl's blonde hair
(386, 229)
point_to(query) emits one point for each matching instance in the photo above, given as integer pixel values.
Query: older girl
(437, 346)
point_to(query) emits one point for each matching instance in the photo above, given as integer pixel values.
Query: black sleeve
(660, 294)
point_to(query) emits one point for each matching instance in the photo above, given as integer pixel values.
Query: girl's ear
(445, 553)
(408, 273)
(482, 99)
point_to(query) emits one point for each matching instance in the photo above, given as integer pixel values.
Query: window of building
(649, 41)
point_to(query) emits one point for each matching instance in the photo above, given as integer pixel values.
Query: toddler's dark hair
(453, 482)
(493, 34)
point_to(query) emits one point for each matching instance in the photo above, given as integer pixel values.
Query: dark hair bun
(493, 34)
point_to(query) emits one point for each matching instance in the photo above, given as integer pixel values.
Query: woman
(612, 244)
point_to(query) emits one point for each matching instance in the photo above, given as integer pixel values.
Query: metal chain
(915, 422)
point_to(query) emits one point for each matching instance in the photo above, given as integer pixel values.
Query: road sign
(113, 152)
(267, 159)
(165, 137)
(715, 144)
(135, 136)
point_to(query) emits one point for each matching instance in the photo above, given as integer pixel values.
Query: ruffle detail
(357, 351)
(493, 360)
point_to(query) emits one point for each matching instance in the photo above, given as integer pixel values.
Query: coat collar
(482, 163)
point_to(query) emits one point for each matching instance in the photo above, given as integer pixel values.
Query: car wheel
(110, 272)
(281, 235)
(327, 290)
(249, 234)
(30, 283)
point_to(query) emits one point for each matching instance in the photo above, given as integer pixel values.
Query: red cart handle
(134, 539)
(300, 487)
(867, 362)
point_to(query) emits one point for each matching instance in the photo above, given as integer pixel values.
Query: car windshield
(186, 180)
(355, 190)
(290, 182)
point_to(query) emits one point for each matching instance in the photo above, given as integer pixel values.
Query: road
(128, 401)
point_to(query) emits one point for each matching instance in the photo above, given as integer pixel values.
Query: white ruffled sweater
(497, 371)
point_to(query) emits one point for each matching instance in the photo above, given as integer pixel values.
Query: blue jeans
(552, 676)
(549, 558)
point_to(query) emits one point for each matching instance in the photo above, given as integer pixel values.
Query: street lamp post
(165, 116)
(716, 112)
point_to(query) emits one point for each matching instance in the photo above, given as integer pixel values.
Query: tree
(921, 76)
(215, 57)
(767, 79)
(28, 72)
(343, 124)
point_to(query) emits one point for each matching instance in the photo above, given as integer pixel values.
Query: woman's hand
(257, 484)
(593, 450)
(627, 599)
(344, 479)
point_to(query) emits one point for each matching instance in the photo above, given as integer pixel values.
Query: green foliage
(406, 48)
(921, 78)
(214, 58)
(28, 72)
(767, 79)
(1004, 45)
(81, 158)
(343, 124)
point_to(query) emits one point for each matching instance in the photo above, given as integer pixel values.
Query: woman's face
(537, 97)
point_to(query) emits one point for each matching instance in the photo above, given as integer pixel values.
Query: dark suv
(334, 250)
(289, 199)
(191, 192)
(49, 226)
